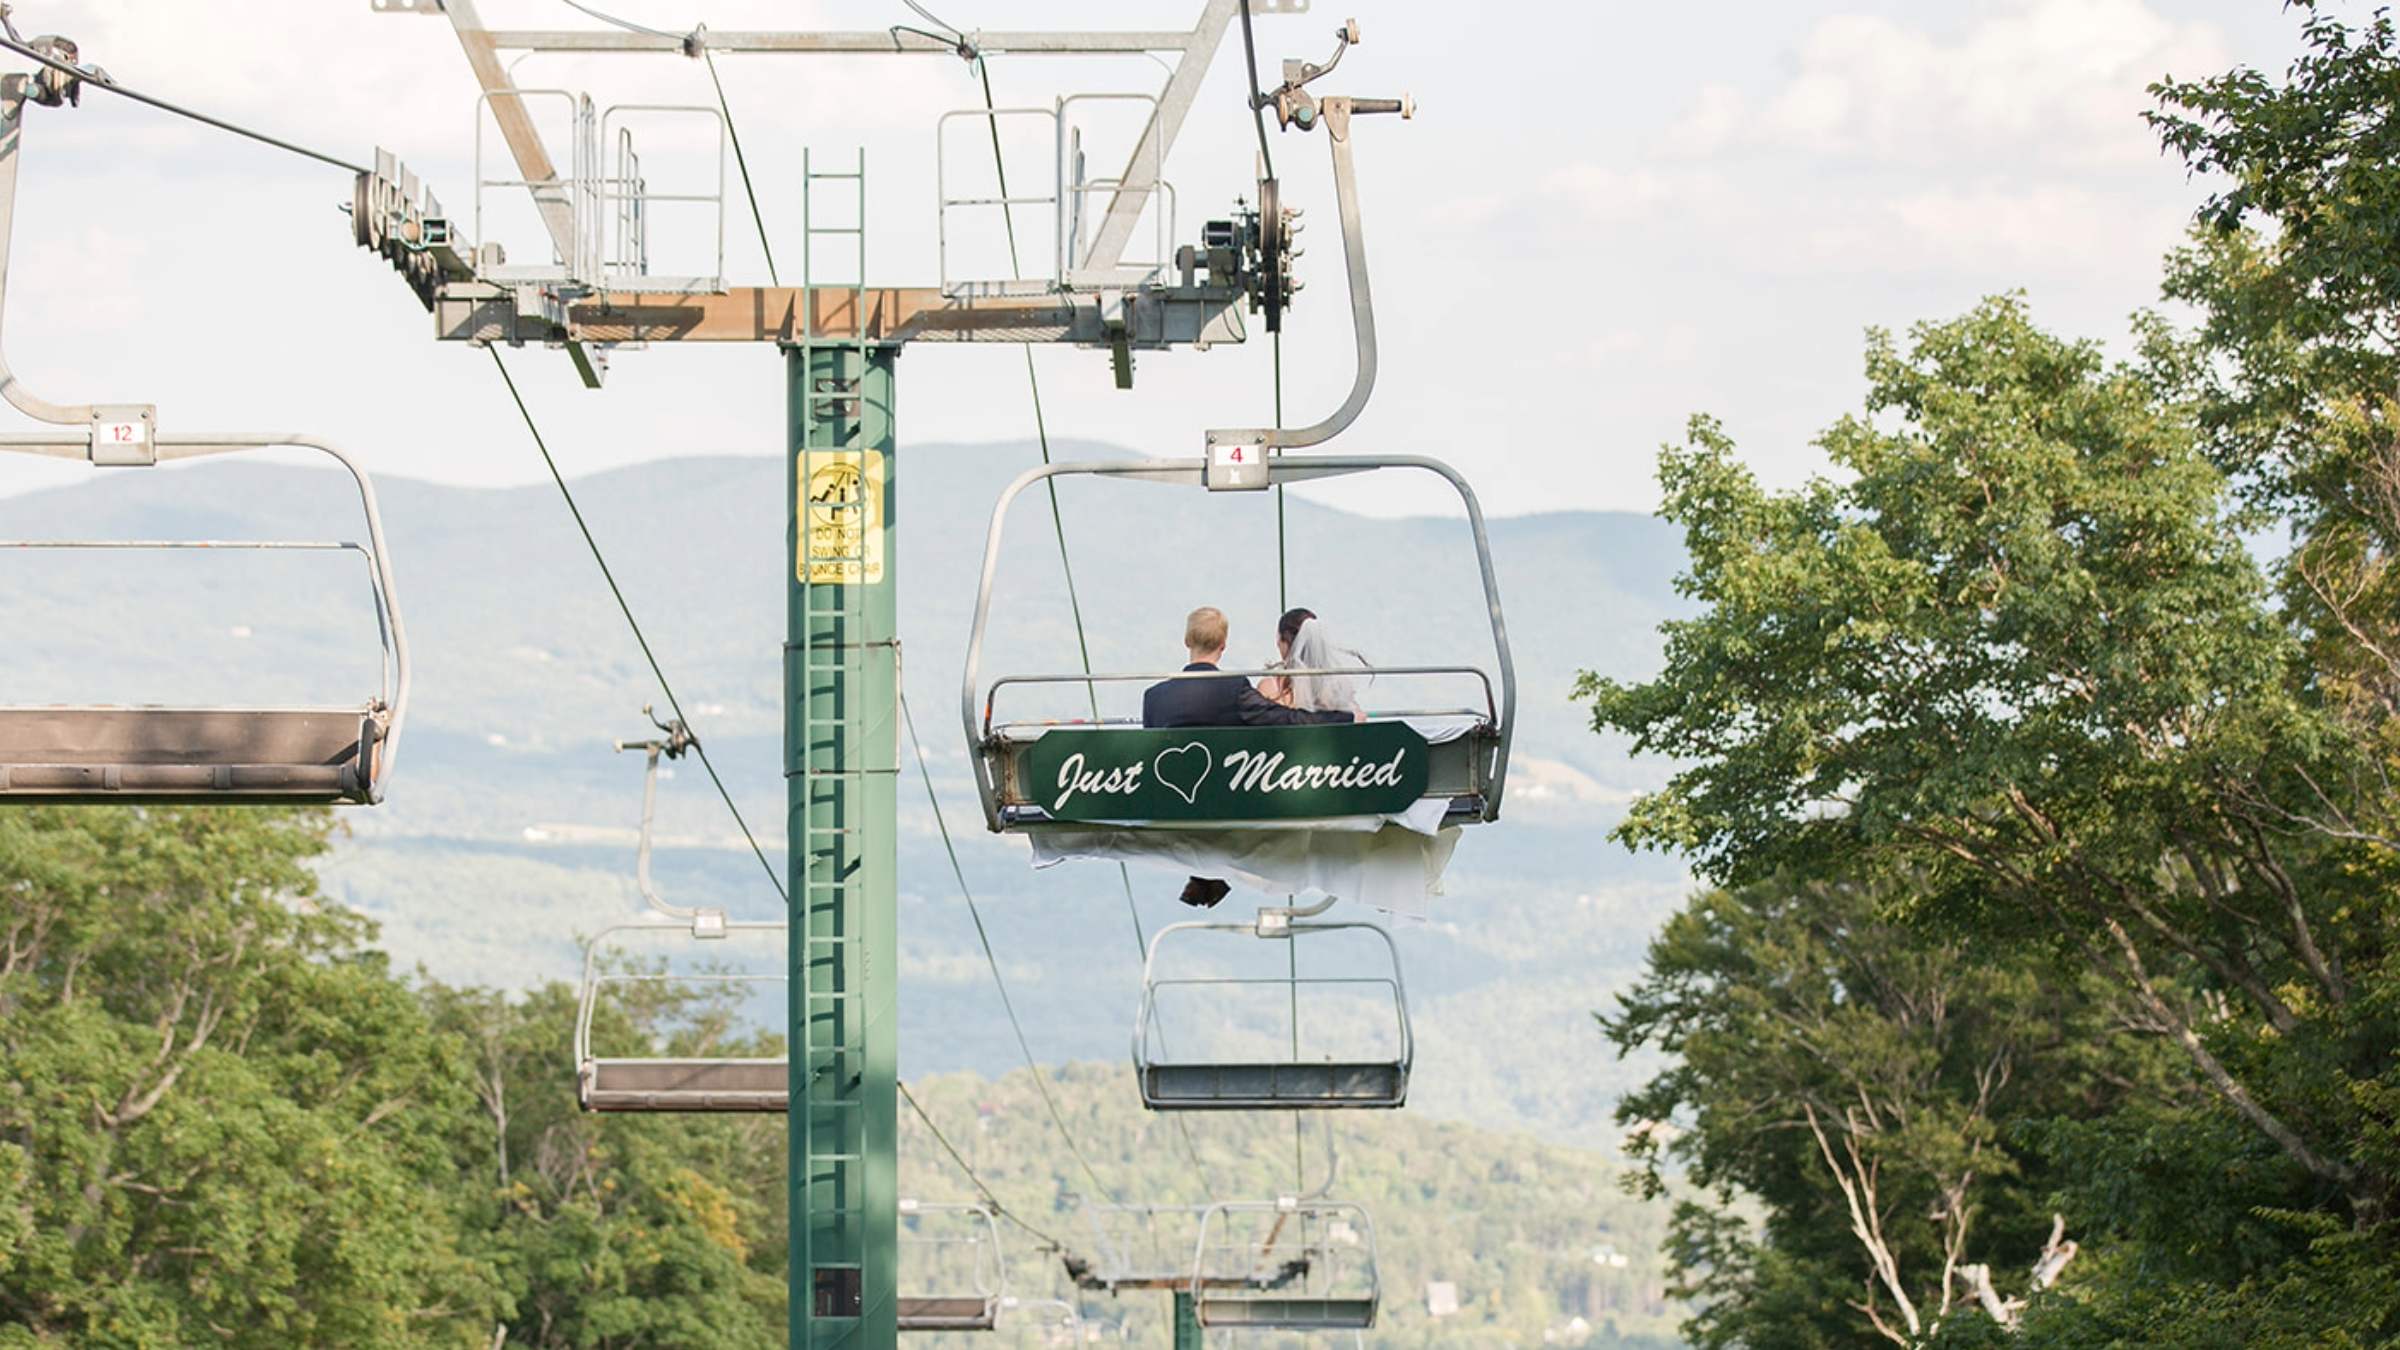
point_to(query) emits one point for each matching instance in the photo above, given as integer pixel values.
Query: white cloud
(2053, 82)
(1619, 347)
(1599, 194)
(2025, 232)
(1720, 116)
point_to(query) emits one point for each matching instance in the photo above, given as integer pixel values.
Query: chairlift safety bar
(1150, 982)
(593, 979)
(1490, 711)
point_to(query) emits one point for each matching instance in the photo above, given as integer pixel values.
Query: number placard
(1237, 461)
(128, 434)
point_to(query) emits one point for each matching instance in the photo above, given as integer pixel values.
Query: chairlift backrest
(966, 1299)
(1309, 1076)
(156, 753)
(1034, 775)
(652, 1082)
(1289, 1264)
(666, 1082)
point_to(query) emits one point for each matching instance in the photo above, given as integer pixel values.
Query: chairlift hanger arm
(15, 91)
(1335, 113)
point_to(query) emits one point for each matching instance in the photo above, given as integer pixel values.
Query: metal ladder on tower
(842, 673)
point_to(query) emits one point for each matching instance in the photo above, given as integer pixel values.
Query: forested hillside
(508, 835)
(226, 1121)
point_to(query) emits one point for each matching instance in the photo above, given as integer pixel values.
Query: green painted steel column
(841, 769)
(1187, 1323)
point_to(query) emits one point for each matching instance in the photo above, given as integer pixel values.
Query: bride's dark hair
(1287, 628)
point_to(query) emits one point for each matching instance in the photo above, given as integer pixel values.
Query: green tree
(2020, 655)
(221, 1119)
(1863, 1083)
(2294, 369)
(610, 1231)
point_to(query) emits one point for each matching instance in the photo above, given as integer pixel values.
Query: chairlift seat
(1289, 1274)
(191, 755)
(1286, 1314)
(684, 1085)
(949, 1314)
(151, 754)
(1274, 1086)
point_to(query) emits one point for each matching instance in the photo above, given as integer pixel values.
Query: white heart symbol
(1162, 768)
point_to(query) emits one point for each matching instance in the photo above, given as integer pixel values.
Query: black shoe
(1204, 892)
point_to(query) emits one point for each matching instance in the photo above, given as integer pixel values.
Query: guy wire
(742, 164)
(975, 912)
(610, 577)
(1041, 431)
(989, 1196)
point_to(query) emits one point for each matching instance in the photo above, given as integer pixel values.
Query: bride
(1305, 644)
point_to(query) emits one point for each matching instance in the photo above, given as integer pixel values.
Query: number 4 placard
(1237, 461)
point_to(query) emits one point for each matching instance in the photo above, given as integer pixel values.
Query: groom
(1230, 701)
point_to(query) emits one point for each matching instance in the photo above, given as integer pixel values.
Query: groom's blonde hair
(1205, 630)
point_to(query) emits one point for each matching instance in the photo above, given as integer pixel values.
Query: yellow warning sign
(841, 517)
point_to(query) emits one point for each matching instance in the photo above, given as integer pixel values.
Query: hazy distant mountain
(510, 827)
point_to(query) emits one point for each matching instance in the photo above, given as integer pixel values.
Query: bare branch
(2234, 1093)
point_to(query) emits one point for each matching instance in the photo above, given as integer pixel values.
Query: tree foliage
(221, 1120)
(2017, 662)
(224, 1121)
(1863, 1084)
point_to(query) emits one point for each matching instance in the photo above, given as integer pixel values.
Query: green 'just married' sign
(1225, 773)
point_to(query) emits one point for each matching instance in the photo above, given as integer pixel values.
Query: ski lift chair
(184, 754)
(1290, 1264)
(1035, 775)
(672, 1083)
(1341, 1078)
(667, 1082)
(971, 1239)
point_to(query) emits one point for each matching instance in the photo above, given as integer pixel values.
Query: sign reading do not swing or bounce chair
(1226, 774)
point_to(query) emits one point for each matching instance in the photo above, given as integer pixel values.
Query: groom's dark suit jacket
(1229, 702)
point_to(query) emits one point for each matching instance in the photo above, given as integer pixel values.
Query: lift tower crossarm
(1127, 199)
(524, 139)
(1140, 179)
(1167, 316)
(872, 43)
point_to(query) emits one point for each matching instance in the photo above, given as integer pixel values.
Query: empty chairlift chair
(676, 1082)
(950, 1267)
(1333, 1034)
(166, 753)
(1289, 1264)
(1037, 774)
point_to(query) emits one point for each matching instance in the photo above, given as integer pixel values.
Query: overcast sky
(1606, 217)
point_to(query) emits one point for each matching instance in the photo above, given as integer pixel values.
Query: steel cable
(698, 746)
(992, 959)
(98, 79)
(1058, 528)
(990, 1197)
